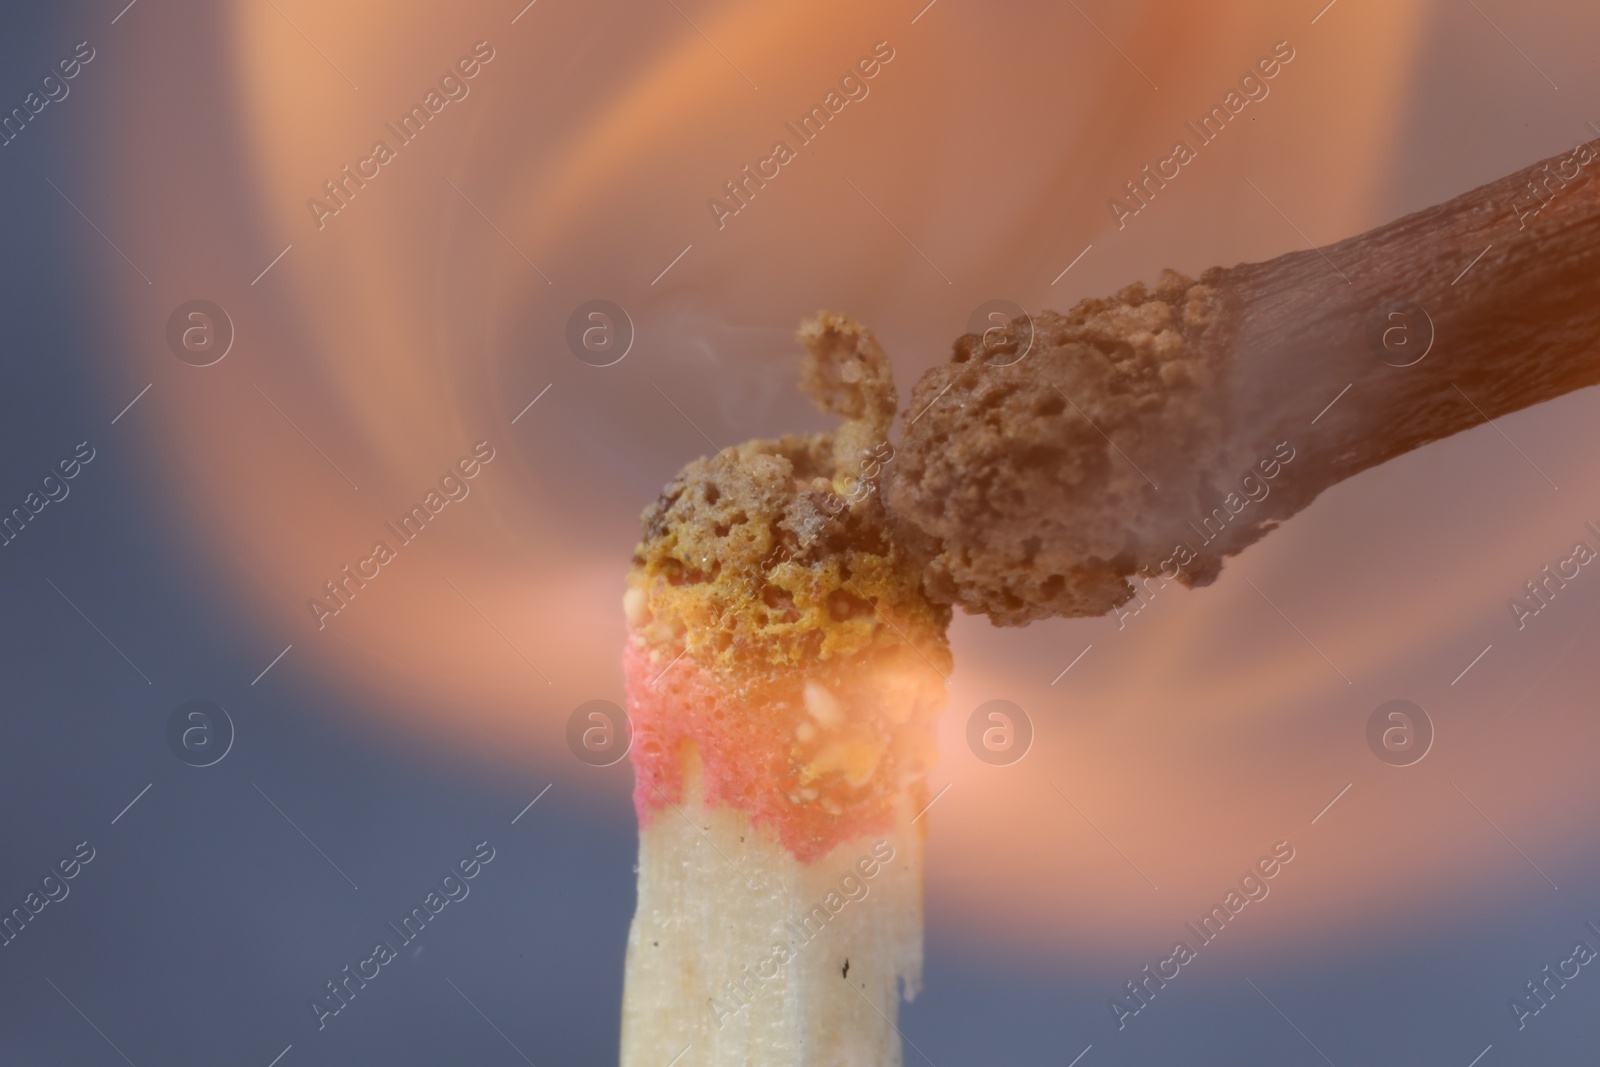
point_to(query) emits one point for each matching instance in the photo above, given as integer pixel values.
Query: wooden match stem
(1520, 325)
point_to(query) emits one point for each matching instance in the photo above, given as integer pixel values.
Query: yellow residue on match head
(856, 759)
(777, 554)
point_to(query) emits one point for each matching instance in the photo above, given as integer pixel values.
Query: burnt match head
(1040, 485)
(1027, 481)
(777, 553)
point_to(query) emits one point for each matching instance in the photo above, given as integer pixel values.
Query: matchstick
(1147, 437)
(786, 646)
(783, 670)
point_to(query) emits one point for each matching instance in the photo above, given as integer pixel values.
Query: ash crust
(758, 559)
(1029, 489)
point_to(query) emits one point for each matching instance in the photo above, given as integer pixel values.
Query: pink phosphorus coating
(744, 752)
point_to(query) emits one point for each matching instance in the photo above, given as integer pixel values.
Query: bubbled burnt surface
(777, 555)
(1030, 488)
(782, 653)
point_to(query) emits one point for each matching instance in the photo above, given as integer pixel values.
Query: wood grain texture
(1520, 327)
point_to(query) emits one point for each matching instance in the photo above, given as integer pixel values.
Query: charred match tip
(812, 660)
(776, 554)
(1154, 434)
